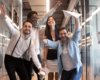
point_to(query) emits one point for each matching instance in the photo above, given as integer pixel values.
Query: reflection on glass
(11, 5)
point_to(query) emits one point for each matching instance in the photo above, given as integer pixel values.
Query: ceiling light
(47, 5)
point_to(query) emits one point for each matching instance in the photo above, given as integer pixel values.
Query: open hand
(70, 34)
(59, 3)
(3, 11)
(41, 34)
(75, 11)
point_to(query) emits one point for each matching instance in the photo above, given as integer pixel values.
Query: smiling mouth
(26, 30)
(50, 22)
(34, 21)
(63, 38)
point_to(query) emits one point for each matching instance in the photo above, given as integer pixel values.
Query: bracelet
(44, 60)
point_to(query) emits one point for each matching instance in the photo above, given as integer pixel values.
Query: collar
(62, 44)
(22, 35)
(56, 35)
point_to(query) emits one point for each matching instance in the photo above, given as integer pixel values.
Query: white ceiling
(40, 7)
(37, 2)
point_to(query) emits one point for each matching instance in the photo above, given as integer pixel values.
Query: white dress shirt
(22, 45)
(39, 45)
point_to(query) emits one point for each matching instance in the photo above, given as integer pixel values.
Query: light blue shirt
(72, 49)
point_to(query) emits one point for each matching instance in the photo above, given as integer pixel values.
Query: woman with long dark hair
(50, 55)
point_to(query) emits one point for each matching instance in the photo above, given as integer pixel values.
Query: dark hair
(27, 21)
(62, 28)
(47, 30)
(31, 13)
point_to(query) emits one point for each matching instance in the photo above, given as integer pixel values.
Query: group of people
(61, 53)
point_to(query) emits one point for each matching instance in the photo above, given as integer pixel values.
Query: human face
(63, 35)
(27, 28)
(34, 18)
(51, 21)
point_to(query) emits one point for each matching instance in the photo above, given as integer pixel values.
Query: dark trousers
(71, 75)
(30, 65)
(13, 65)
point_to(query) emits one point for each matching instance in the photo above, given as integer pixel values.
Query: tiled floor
(90, 77)
(33, 78)
(6, 78)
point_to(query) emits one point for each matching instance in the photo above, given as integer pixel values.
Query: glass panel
(1, 58)
(93, 46)
(90, 53)
(4, 32)
(82, 45)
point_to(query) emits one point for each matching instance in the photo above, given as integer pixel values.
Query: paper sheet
(68, 13)
(46, 70)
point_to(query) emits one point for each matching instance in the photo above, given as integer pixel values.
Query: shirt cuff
(53, 10)
(77, 31)
(45, 41)
(6, 19)
(48, 42)
(39, 67)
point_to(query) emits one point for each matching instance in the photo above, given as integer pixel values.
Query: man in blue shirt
(69, 59)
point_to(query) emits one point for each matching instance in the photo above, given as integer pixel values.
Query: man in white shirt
(19, 43)
(33, 16)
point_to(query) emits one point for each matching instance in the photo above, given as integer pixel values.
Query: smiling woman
(50, 55)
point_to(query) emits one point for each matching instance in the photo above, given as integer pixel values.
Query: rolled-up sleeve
(52, 44)
(76, 35)
(43, 19)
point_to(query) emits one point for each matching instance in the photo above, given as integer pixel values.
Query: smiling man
(33, 17)
(19, 43)
(69, 59)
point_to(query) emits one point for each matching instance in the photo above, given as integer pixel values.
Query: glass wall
(93, 69)
(90, 38)
(13, 12)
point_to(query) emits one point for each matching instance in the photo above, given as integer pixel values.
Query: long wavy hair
(47, 30)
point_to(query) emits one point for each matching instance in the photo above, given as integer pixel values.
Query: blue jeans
(78, 75)
(71, 75)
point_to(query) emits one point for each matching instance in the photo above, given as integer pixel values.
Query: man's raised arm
(10, 27)
(77, 30)
(43, 19)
